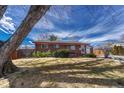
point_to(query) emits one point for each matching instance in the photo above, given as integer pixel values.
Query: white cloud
(62, 34)
(3, 31)
(115, 34)
(111, 30)
(60, 12)
(44, 23)
(105, 26)
(30, 42)
(25, 46)
(82, 33)
(38, 36)
(6, 23)
(34, 37)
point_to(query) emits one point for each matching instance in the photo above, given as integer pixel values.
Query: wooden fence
(22, 53)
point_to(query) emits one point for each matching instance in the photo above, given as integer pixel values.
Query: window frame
(73, 47)
(46, 46)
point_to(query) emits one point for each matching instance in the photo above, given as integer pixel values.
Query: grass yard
(65, 73)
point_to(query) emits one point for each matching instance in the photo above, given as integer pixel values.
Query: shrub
(34, 54)
(89, 55)
(46, 54)
(42, 54)
(63, 53)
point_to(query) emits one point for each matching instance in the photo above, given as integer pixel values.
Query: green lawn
(66, 73)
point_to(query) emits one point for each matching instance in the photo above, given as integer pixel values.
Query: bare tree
(34, 14)
(53, 37)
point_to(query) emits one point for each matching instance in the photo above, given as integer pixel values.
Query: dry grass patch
(67, 72)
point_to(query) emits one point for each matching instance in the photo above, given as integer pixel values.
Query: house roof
(61, 42)
(98, 49)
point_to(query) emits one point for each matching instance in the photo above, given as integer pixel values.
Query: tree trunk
(8, 66)
(2, 66)
(34, 14)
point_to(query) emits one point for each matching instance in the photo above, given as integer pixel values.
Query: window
(44, 46)
(55, 46)
(72, 47)
(68, 47)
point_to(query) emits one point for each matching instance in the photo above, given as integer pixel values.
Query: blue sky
(90, 24)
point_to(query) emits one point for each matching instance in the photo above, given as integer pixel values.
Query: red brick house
(76, 48)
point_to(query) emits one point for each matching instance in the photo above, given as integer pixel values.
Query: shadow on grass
(35, 76)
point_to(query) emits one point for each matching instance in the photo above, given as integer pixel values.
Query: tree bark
(8, 66)
(34, 14)
(2, 10)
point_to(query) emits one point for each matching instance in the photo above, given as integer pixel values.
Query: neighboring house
(76, 48)
(99, 52)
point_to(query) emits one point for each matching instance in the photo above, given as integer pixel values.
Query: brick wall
(77, 50)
